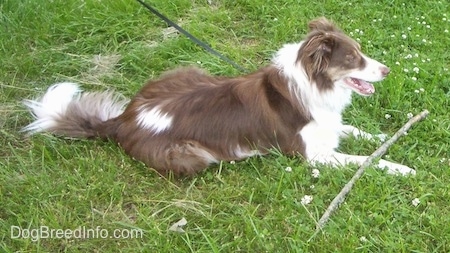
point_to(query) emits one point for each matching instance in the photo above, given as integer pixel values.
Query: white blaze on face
(359, 79)
(373, 71)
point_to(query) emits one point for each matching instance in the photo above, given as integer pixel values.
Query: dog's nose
(385, 70)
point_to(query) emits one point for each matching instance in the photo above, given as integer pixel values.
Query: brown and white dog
(187, 119)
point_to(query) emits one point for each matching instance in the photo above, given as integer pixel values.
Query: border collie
(187, 119)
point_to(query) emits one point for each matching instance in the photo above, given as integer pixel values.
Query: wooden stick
(378, 153)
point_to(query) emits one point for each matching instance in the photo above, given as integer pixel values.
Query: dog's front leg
(348, 130)
(336, 159)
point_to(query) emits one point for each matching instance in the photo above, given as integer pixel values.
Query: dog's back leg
(188, 157)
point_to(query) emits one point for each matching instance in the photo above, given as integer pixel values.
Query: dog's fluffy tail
(66, 110)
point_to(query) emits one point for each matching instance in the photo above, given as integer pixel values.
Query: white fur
(102, 105)
(53, 104)
(208, 157)
(372, 71)
(154, 119)
(348, 130)
(244, 153)
(320, 104)
(321, 135)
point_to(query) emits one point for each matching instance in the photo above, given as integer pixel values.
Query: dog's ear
(322, 24)
(315, 54)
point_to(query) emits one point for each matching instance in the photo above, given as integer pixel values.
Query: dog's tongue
(364, 87)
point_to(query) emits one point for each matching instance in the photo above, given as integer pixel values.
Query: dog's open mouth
(360, 86)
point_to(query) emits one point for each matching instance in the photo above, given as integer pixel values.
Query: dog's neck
(326, 104)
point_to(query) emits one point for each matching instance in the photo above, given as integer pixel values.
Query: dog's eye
(350, 58)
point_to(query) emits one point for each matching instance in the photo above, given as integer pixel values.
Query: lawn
(253, 205)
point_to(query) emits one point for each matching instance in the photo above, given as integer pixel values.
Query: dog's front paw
(374, 137)
(381, 137)
(396, 169)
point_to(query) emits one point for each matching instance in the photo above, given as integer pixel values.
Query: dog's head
(330, 58)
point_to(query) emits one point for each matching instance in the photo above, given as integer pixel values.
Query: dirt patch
(102, 65)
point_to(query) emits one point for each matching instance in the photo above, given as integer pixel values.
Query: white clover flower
(414, 78)
(387, 116)
(424, 40)
(442, 160)
(409, 56)
(312, 187)
(409, 115)
(363, 239)
(409, 28)
(395, 16)
(428, 26)
(416, 55)
(406, 70)
(404, 36)
(315, 173)
(416, 69)
(417, 91)
(288, 169)
(232, 162)
(415, 202)
(397, 63)
(446, 31)
(275, 19)
(421, 89)
(306, 199)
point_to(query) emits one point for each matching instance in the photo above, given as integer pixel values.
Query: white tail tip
(51, 106)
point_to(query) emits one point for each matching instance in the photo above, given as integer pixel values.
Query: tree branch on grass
(378, 153)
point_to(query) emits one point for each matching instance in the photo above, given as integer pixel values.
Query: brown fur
(213, 115)
(322, 53)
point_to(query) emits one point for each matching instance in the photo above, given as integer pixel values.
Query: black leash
(190, 36)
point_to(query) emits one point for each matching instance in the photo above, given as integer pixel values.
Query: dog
(187, 119)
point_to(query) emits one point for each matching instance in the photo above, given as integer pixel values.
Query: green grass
(253, 205)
